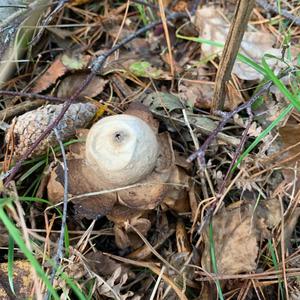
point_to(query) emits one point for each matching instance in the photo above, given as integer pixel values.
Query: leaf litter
(151, 238)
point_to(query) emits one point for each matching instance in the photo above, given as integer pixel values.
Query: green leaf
(213, 259)
(10, 263)
(145, 69)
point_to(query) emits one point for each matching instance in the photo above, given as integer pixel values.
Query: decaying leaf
(157, 102)
(61, 65)
(22, 280)
(290, 136)
(145, 69)
(235, 243)
(29, 126)
(125, 219)
(200, 95)
(103, 265)
(109, 275)
(236, 232)
(70, 84)
(113, 285)
(168, 107)
(255, 45)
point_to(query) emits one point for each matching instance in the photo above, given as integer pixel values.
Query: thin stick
(167, 35)
(233, 41)
(237, 153)
(32, 96)
(59, 254)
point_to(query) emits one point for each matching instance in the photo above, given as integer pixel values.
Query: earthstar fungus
(128, 163)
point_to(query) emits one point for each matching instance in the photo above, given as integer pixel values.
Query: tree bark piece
(238, 26)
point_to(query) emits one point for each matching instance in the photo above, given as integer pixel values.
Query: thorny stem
(96, 67)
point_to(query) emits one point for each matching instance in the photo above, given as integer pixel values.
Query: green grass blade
(264, 133)
(15, 233)
(141, 10)
(31, 170)
(280, 85)
(10, 263)
(275, 264)
(18, 238)
(67, 242)
(213, 260)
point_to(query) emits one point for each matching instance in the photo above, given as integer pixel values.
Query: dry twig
(59, 254)
(233, 41)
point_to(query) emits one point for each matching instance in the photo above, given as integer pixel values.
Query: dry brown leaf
(200, 95)
(70, 84)
(113, 286)
(236, 230)
(255, 45)
(125, 236)
(103, 265)
(56, 70)
(181, 6)
(196, 95)
(290, 136)
(235, 243)
(182, 241)
(59, 67)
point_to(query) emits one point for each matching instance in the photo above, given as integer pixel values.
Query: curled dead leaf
(70, 84)
(61, 65)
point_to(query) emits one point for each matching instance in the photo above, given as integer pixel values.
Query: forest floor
(125, 174)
